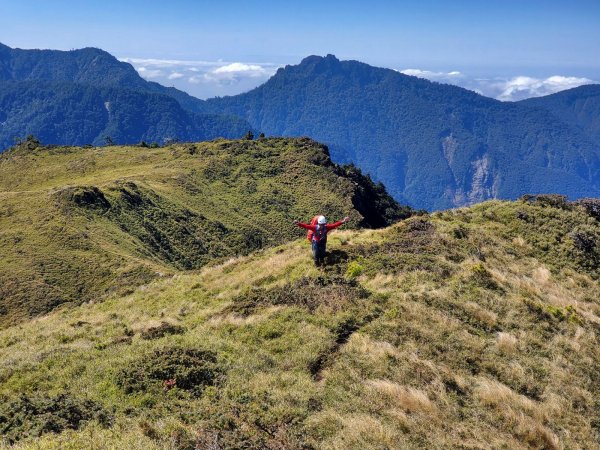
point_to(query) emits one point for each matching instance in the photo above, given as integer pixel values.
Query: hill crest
(79, 224)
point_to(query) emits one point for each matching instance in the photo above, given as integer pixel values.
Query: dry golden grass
(357, 431)
(484, 316)
(407, 398)
(506, 342)
(494, 393)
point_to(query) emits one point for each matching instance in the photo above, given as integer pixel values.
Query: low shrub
(354, 270)
(583, 240)
(183, 368)
(335, 293)
(551, 200)
(460, 232)
(35, 415)
(591, 206)
(89, 197)
(164, 329)
(482, 276)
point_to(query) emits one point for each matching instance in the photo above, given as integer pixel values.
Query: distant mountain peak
(317, 63)
(314, 59)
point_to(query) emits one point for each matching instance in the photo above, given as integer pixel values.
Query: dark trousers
(318, 249)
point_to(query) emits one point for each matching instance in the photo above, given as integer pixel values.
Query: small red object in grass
(169, 384)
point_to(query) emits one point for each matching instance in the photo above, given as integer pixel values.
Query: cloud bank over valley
(514, 88)
(205, 79)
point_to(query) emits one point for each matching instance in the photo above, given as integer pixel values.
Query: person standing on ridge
(317, 235)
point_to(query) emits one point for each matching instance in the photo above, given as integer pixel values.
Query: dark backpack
(320, 234)
(309, 234)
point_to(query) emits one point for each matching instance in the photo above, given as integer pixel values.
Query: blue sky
(233, 45)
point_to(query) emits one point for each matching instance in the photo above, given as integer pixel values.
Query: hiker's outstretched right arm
(305, 225)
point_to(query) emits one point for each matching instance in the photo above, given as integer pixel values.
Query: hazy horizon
(206, 79)
(503, 49)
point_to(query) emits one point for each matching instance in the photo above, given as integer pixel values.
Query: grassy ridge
(474, 327)
(79, 224)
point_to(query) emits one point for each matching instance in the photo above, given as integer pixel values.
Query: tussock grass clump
(506, 342)
(407, 398)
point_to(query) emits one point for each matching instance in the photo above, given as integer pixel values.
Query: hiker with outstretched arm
(317, 234)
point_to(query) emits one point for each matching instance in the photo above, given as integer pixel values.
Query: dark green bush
(335, 293)
(89, 197)
(184, 368)
(591, 206)
(164, 329)
(583, 240)
(551, 200)
(35, 415)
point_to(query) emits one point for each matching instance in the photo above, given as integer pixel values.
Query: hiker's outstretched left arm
(338, 223)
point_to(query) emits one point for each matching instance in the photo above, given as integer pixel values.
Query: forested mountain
(579, 107)
(80, 114)
(433, 145)
(84, 96)
(84, 66)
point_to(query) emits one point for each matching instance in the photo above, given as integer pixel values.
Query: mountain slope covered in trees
(433, 145)
(84, 96)
(91, 66)
(60, 112)
(579, 107)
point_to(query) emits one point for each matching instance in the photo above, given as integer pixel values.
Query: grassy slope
(472, 328)
(79, 224)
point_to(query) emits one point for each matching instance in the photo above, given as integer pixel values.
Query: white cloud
(251, 69)
(210, 78)
(149, 73)
(522, 87)
(165, 63)
(235, 72)
(218, 73)
(433, 76)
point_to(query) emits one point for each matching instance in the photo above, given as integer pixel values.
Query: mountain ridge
(65, 97)
(81, 224)
(579, 106)
(433, 145)
(88, 65)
